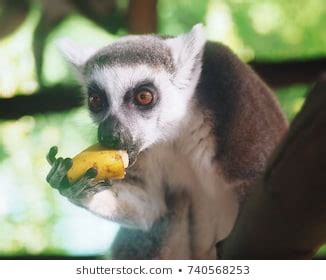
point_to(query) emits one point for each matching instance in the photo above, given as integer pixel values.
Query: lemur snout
(113, 135)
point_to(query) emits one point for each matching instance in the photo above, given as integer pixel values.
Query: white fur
(172, 108)
(185, 49)
(128, 205)
(190, 165)
(73, 53)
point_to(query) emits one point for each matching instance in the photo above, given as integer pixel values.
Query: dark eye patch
(131, 96)
(97, 99)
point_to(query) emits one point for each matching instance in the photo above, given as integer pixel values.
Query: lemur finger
(91, 173)
(51, 155)
(78, 187)
(62, 166)
(58, 171)
(52, 171)
(67, 163)
(53, 174)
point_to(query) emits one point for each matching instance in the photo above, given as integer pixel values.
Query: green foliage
(268, 29)
(322, 251)
(16, 60)
(175, 17)
(34, 218)
(277, 29)
(3, 153)
(292, 99)
(75, 28)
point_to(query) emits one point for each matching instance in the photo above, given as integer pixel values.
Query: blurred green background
(36, 220)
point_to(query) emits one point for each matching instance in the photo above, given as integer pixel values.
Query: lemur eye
(144, 98)
(97, 100)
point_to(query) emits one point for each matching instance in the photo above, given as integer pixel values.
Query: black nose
(109, 134)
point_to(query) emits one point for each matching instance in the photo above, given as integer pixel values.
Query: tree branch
(285, 73)
(51, 100)
(104, 13)
(61, 98)
(285, 216)
(142, 16)
(13, 13)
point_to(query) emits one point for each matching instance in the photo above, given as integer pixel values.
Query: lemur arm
(126, 202)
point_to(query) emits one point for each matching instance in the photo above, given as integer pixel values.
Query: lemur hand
(57, 178)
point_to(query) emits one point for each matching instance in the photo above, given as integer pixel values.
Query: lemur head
(139, 87)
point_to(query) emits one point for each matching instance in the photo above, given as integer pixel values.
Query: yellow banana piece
(110, 164)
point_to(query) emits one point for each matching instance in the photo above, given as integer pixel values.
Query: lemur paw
(83, 188)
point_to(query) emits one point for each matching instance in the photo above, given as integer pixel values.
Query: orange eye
(144, 98)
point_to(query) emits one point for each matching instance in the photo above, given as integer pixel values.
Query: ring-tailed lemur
(198, 125)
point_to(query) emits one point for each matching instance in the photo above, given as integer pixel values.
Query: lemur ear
(187, 50)
(74, 54)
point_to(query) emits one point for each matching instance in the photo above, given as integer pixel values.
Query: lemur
(198, 125)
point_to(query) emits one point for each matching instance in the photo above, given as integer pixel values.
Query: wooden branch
(13, 13)
(61, 98)
(142, 16)
(55, 99)
(285, 216)
(285, 73)
(104, 13)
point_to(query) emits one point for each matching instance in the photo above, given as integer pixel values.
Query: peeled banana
(110, 164)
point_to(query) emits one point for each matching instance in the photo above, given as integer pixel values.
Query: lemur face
(131, 93)
(138, 88)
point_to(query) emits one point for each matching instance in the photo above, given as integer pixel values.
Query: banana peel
(110, 164)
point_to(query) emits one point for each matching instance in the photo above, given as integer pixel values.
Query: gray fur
(243, 110)
(136, 50)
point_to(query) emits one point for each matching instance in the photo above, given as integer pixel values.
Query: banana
(110, 164)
